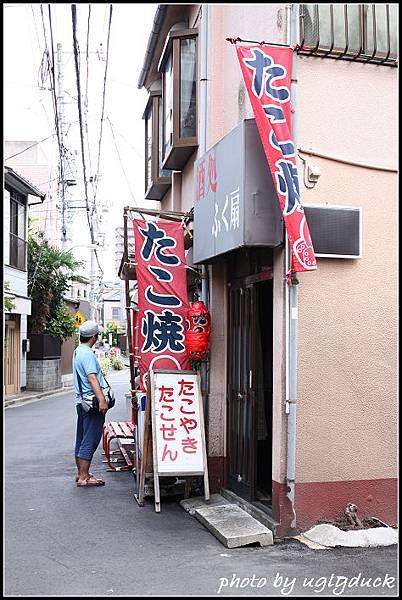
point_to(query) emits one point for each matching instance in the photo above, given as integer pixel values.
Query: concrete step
(261, 515)
(228, 522)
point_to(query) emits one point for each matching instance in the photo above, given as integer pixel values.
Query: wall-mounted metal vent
(336, 231)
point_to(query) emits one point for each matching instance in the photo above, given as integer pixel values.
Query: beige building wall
(347, 382)
(228, 103)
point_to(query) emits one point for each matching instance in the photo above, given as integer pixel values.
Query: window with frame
(360, 32)
(179, 67)
(18, 243)
(157, 179)
(116, 313)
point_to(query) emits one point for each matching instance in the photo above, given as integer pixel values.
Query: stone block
(233, 526)
(43, 375)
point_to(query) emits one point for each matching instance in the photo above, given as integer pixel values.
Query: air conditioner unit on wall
(336, 231)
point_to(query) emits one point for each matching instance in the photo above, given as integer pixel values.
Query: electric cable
(81, 128)
(61, 148)
(31, 146)
(86, 102)
(77, 73)
(103, 100)
(121, 162)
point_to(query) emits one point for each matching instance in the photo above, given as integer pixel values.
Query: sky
(28, 112)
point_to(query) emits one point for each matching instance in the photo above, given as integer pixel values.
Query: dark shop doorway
(250, 387)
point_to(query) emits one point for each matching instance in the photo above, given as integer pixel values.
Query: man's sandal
(89, 475)
(90, 482)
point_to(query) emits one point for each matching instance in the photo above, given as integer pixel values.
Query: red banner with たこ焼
(162, 296)
(267, 75)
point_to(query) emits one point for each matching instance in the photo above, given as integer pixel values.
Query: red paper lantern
(197, 333)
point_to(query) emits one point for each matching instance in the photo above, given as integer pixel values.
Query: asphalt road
(61, 540)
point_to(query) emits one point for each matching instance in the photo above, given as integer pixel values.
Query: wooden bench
(123, 433)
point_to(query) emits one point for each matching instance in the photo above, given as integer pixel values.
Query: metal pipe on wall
(292, 301)
(202, 149)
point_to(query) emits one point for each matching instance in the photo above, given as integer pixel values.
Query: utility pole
(68, 180)
(93, 272)
(67, 176)
(60, 111)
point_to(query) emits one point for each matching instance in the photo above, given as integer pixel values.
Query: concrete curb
(21, 400)
(25, 398)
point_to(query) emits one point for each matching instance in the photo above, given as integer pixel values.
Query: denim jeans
(89, 432)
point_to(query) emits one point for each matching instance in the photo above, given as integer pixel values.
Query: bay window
(157, 179)
(179, 66)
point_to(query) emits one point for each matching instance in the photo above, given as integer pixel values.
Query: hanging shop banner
(267, 74)
(162, 296)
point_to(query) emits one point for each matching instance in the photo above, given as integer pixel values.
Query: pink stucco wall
(347, 369)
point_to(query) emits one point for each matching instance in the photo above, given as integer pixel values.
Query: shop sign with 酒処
(235, 202)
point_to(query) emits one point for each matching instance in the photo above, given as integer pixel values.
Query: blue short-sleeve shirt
(85, 362)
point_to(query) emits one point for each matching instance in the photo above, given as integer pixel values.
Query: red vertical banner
(267, 74)
(162, 296)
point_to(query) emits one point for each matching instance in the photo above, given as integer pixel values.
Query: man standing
(88, 377)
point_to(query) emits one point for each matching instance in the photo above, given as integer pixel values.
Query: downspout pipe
(292, 299)
(202, 134)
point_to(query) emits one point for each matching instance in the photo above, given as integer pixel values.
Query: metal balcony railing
(355, 32)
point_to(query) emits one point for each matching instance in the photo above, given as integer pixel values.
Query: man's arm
(93, 380)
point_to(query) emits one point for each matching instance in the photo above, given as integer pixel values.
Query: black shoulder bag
(90, 401)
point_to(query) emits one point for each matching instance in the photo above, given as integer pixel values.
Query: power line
(50, 219)
(36, 28)
(87, 59)
(61, 149)
(29, 147)
(51, 71)
(86, 101)
(126, 140)
(103, 98)
(121, 162)
(77, 72)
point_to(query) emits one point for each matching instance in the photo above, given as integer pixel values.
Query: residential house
(112, 307)
(80, 289)
(28, 158)
(298, 424)
(30, 161)
(19, 195)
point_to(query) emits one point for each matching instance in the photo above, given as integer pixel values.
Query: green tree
(8, 301)
(62, 324)
(50, 271)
